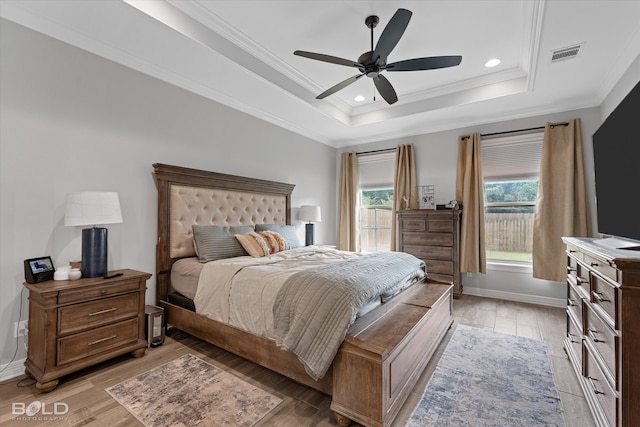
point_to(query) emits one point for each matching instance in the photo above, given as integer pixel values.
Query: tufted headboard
(190, 196)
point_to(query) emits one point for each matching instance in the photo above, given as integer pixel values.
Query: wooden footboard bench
(385, 353)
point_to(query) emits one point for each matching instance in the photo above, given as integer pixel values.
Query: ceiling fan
(372, 63)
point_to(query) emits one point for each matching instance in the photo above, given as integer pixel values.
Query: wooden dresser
(433, 236)
(74, 324)
(603, 328)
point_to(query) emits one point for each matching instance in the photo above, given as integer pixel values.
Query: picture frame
(426, 197)
(37, 270)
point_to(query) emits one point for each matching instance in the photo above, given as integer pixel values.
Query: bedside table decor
(74, 324)
(93, 208)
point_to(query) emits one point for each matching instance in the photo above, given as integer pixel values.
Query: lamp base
(308, 234)
(94, 252)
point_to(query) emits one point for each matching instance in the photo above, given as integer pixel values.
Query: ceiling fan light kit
(373, 62)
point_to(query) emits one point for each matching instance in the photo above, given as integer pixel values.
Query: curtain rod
(384, 150)
(520, 130)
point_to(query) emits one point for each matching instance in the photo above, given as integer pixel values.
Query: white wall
(72, 121)
(436, 159)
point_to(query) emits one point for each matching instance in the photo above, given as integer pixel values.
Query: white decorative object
(75, 274)
(427, 196)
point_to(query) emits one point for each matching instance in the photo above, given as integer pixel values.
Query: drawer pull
(102, 340)
(594, 264)
(571, 269)
(97, 313)
(571, 303)
(593, 385)
(592, 334)
(572, 340)
(581, 281)
(598, 296)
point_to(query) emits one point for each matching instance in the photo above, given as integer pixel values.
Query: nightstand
(74, 324)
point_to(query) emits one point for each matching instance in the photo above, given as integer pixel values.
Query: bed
(384, 351)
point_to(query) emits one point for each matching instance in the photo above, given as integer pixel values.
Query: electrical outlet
(21, 329)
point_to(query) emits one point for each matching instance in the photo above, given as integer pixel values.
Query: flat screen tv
(616, 151)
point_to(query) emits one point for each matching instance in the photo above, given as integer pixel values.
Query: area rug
(190, 392)
(485, 378)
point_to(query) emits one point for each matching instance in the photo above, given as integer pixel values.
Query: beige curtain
(470, 192)
(562, 208)
(405, 192)
(348, 204)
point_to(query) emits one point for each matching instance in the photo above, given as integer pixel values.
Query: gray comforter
(314, 308)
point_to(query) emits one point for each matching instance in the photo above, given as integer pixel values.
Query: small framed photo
(426, 197)
(38, 270)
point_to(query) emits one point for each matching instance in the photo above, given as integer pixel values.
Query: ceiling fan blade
(428, 63)
(339, 86)
(386, 90)
(327, 58)
(391, 34)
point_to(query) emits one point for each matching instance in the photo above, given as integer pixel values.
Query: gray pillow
(288, 233)
(215, 242)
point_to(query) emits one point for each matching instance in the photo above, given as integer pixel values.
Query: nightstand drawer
(89, 343)
(432, 239)
(74, 318)
(433, 252)
(97, 291)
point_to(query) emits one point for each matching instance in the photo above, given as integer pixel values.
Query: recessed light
(492, 63)
(359, 98)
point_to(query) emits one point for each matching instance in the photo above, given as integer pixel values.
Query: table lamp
(93, 208)
(310, 214)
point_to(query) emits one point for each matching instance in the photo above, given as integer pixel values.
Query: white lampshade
(309, 213)
(92, 208)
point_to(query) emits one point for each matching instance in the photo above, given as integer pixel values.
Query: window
(375, 174)
(376, 218)
(511, 167)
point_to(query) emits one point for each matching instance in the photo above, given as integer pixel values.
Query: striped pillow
(214, 242)
(255, 244)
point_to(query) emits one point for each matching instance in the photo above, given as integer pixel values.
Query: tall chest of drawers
(74, 324)
(603, 328)
(434, 237)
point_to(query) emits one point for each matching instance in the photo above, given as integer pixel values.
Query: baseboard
(15, 370)
(512, 296)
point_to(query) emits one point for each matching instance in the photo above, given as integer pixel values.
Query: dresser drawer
(438, 266)
(99, 291)
(582, 279)
(603, 339)
(433, 252)
(74, 318)
(599, 386)
(574, 302)
(601, 267)
(574, 334)
(428, 223)
(604, 294)
(89, 343)
(432, 239)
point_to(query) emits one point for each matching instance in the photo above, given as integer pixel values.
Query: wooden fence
(511, 232)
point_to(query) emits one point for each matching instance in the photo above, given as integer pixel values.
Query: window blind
(376, 170)
(511, 158)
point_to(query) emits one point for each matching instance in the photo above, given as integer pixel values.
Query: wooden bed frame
(385, 351)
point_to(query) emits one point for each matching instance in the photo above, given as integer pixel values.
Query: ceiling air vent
(565, 53)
